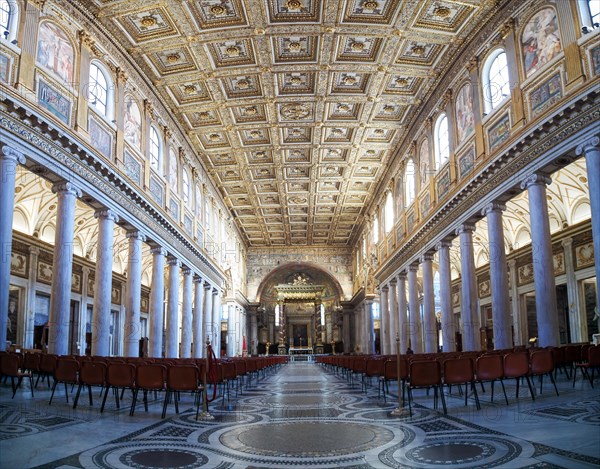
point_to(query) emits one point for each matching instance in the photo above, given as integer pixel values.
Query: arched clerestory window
(495, 81)
(442, 141)
(409, 183)
(9, 19)
(100, 90)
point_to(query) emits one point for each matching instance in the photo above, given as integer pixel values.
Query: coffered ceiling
(294, 106)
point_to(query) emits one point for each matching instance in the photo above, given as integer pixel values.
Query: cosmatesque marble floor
(304, 415)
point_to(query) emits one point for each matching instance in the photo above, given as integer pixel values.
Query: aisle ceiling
(294, 106)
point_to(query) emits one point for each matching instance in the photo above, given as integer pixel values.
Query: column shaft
(498, 278)
(591, 150)
(62, 268)
(172, 345)
(384, 329)
(208, 314)
(429, 319)
(448, 323)
(402, 308)
(9, 158)
(157, 300)
(231, 329)
(134, 294)
(414, 320)
(469, 313)
(543, 264)
(186, 320)
(217, 322)
(198, 312)
(393, 307)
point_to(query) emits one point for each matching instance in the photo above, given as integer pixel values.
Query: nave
(306, 414)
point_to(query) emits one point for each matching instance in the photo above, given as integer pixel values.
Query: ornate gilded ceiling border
(574, 117)
(78, 160)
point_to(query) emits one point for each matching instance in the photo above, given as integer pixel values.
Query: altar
(300, 354)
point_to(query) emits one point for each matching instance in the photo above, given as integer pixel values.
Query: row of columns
(394, 317)
(199, 316)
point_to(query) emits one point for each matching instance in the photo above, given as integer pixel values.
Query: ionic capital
(135, 234)
(159, 251)
(66, 188)
(106, 214)
(9, 153)
(493, 207)
(535, 179)
(427, 257)
(589, 144)
(186, 271)
(174, 262)
(466, 228)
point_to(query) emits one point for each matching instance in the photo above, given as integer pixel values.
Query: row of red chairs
(153, 374)
(436, 370)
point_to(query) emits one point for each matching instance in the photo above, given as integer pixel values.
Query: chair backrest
(490, 367)
(150, 376)
(48, 363)
(459, 370)
(425, 373)
(229, 371)
(374, 367)
(182, 378)
(541, 361)
(594, 356)
(120, 375)
(32, 361)
(9, 364)
(93, 373)
(516, 364)
(67, 369)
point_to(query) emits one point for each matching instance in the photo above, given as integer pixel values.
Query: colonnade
(396, 318)
(201, 304)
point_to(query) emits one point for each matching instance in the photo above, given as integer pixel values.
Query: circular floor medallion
(459, 452)
(308, 439)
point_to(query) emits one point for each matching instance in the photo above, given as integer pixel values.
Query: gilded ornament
(349, 80)
(294, 5)
(401, 82)
(148, 21)
(357, 46)
(173, 58)
(295, 81)
(417, 50)
(218, 10)
(370, 5)
(214, 137)
(442, 12)
(295, 46)
(189, 89)
(243, 84)
(232, 51)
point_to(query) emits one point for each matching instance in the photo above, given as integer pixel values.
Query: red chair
(92, 373)
(425, 374)
(47, 367)
(118, 376)
(541, 363)
(183, 378)
(67, 372)
(490, 368)
(461, 371)
(148, 377)
(516, 365)
(593, 363)
(10, 367)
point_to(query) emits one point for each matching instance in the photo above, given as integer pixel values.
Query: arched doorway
(299, 308)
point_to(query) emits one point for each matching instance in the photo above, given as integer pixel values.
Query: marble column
(469, 312)
(217, 321)
(369, 331)
(208, 314)
(590, 149)
(172, 338)
(448, 323)
(429, 319)
(157, 300)
(197, 320)
(253, 334)
(543, 264)
(186, 315)
(577, 315)
(346, 332)
(498, 277)
(103, 283)
(34, 252)
(414, 316)
(134, 294)
(402, 308)
(384, 330)
(9, 159)
(62, 268)
(519, 321)
(231, 329)
(393, 307)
